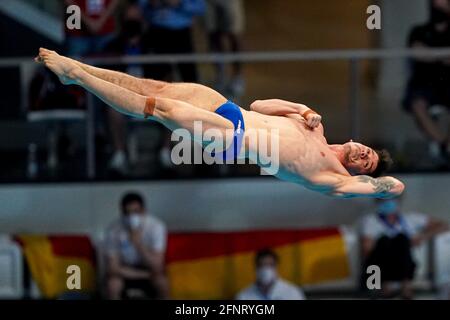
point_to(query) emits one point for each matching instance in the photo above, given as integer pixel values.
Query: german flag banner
(49, 258)
(218, 265)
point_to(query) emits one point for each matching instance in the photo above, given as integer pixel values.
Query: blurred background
(83, 185)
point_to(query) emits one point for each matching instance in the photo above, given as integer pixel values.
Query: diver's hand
(313, 119)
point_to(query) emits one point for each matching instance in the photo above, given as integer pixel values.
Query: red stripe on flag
(196, 245)
(73, 246)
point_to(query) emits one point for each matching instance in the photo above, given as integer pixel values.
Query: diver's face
(360, 159)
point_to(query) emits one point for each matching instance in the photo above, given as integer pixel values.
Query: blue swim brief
(232, 112)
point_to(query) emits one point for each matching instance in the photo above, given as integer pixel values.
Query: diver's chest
(316, 153)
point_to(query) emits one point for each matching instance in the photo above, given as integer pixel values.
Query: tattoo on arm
(380, 185)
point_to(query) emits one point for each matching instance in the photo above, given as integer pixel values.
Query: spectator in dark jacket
(430, 78)
(170, 31)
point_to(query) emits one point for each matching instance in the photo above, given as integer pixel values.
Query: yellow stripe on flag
(49, 270)
(222, 277)
(323, 260)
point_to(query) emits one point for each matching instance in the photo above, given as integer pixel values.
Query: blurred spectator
(129, 39)
(387, 239)
(128, 42)
(135, 249)
(268, 285)
(430, 78)
(225, 25)
(97, 29)
(170, 32)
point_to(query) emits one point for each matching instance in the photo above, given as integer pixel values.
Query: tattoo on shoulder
(380, 185)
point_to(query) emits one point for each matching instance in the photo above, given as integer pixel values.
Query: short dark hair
(131, 197)
(265, 253)
(384, 163)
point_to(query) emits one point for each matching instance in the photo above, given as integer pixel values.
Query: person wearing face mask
(268, 285)
(388, 236)
(135, 247)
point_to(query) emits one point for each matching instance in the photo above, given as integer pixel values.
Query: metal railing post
(90, 137)
(355, 117)
(26, 71)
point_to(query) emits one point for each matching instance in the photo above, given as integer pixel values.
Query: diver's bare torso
(303, 152)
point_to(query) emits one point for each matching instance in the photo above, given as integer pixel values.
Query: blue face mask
(387, 207)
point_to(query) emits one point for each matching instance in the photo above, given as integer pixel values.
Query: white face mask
(266, 275)
(133, 220)
(387, 207)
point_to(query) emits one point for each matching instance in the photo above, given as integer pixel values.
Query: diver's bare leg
(193, 93)
(170, 112)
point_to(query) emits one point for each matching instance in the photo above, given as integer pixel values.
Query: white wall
(227, 204)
